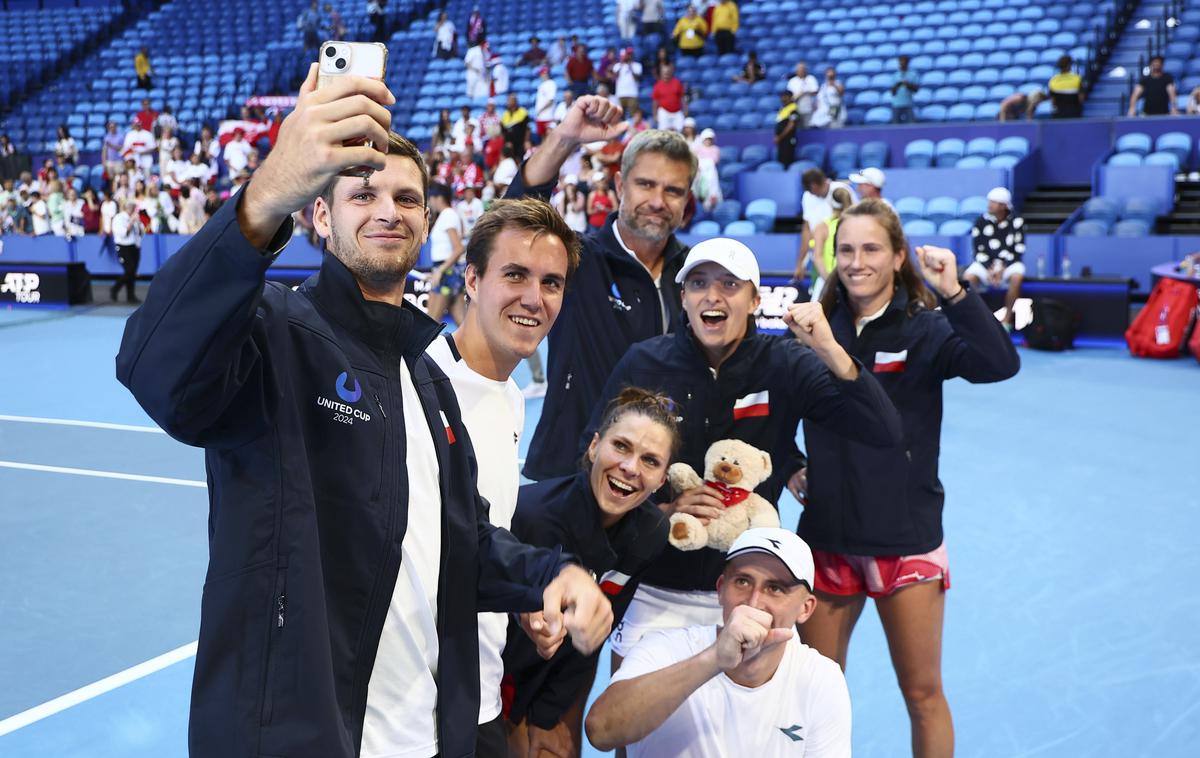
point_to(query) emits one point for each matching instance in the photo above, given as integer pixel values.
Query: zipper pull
(280, 608)
(381, 410)
(568, 385)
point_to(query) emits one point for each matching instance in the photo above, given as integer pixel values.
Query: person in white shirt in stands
(804, 88)
(560, 110)
(445, 249)
(747, 688)
(237, 153)
(629, 74)
(815, 208)
(40, 214)
(174, 170)
(518, 262)
(140, 146)
(869, 183)
(470, 210)
(543, 104)
(209, 148)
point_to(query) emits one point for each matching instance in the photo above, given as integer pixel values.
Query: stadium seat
(1178, 143)
(874, 153)
(706, 228)
(933, 113)
(948, 151)
(984, 147)
(918, 154)
(731, 153)
(971, 208)
(1132, 227)
(1135, 142)
(910, 208)
(878, 115)
(753, 155)
(1143, 208)
(1125, 159)
(1101, 209)
(920, 226)
(814, 152)
(740, 229)
(971, 161)
(941, 209)
(954, 227)
(727, 211)
(960, 112)
(1003, 161)
(1015, 146)
(768, 166)
(843, 158)
(1090, 228)
(762, 213)
(1162, 159)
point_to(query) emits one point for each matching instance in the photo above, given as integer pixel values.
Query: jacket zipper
(276, 638)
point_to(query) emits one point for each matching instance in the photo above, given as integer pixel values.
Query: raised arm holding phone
(349, 551)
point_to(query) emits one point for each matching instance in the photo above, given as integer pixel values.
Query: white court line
(74, 422)
(95, 689)
(103, 474)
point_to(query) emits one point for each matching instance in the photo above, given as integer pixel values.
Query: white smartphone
(337, 58)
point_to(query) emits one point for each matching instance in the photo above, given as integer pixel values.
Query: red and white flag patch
(449, 431)
(890, 363)
(754, 404)
(613, 582)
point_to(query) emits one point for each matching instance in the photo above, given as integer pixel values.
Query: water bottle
(1041, 267)
(1066, 267)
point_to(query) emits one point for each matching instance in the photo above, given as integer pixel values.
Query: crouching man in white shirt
(747, 688)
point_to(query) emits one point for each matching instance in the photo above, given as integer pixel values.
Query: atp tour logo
(23, 287)
(344, 412)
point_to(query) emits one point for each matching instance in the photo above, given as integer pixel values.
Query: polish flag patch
(890, 363)
(449, 431)
(754, 404)
(613, 582)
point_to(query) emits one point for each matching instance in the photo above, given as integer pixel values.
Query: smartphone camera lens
(330, 52)
(340, 63)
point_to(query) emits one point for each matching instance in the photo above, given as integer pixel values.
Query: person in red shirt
(668, 96)
(580, 72)
(147, 116)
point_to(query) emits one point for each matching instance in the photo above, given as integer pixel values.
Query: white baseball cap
(1000, 195)
(872, 176)
(781, 543)
(737, 259)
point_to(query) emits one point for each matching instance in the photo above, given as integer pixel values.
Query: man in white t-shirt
(629, 74)
(469, 210)
(518, 262)
(747, 688)
(543, 104)
(237, 153)
(815, 209)
(804, 87)
(140, 146)
(40, 214)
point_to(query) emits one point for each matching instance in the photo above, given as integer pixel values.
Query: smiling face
(653, 196)
(718, 307)
(517, 298)
(376, 229)
(867, 262)
(628, 463)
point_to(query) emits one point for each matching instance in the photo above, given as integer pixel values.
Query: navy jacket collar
(403, 330)
(598, 547)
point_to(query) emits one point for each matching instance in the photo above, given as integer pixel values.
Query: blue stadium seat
(971, 208)
(740, 229)
(918, 154)
(1015, 146)
(880, 114)
(730, 153)
(920, 226)
(753, 155)
(1133, 227)
(1162, 159)
(1143, 208)
(874, 153)
(1100, 208)
(769, 166)
(948, 151)
(814, 152)
(971, 161)
(706, 228)
(941, 209)
(932, 113)
(1134, 142)
(762, 213)
(910, 208)
(1125, 159)
(973, 94)
(1003, 161)
(727, 211)
(954, 227)
(984, 147)
(960, 112)
(1090, 228)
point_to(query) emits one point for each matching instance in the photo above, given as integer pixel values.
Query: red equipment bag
(1194, 343)
(1162, 326)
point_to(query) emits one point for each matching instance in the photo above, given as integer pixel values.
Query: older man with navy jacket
(349, 550)
(623, 291)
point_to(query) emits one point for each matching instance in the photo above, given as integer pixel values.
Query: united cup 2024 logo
(349, 391)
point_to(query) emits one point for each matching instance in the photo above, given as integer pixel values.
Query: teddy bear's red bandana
(730, 496)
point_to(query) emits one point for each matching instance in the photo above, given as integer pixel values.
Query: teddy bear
(734, 468)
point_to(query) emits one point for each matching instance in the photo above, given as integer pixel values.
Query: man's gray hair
(670, 144)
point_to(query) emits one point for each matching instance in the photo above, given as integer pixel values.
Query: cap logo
(774, 542)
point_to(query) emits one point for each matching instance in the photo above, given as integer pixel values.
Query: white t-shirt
(440, 246)
(505, 172)
(469, 212)
(543, 105)
(628, 75)
(108, 209)
(798, 86)
(401, 717)
(818, 209)
(237, 155)
(41, 217)
(445, 35)
(803, 710)
(494, 414)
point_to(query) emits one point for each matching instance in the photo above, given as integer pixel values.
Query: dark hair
(402, 147)
(653, 405)
(918, 294)
(527, 214)
(1158, 58)
(1064, 63)
(438, 189)
(811, 177)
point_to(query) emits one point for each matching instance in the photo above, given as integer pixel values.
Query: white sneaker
(534, 390)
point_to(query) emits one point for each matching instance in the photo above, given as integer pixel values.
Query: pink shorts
(879, 576)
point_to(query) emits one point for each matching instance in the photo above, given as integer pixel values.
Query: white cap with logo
(737, 259)
(1001, 195)
(792, 551)
(873, 176)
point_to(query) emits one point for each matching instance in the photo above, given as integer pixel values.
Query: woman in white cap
(571, 204)
(873, 515)
(730, 382)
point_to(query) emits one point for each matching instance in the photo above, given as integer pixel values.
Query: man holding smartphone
(349, 550)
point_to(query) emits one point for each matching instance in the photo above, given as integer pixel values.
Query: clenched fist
(807, 321)
(940, 269)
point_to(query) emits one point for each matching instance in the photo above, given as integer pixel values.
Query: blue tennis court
(1072, 509)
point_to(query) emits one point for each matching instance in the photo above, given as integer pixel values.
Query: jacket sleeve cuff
(234, 239)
